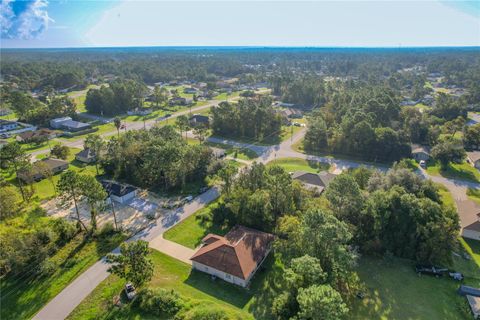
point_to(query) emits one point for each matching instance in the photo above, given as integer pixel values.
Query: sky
(334, 23)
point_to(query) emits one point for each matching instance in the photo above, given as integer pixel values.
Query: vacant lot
(297, 164)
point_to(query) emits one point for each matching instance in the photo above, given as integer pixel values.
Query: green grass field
(462, 171)
(192, 230)
(297, 164)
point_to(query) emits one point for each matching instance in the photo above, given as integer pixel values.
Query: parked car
(187, 199)
(130, 291)
(430, 270)
(297, 124)
(423, 164)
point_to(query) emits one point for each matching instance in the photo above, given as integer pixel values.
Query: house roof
(74, 124)
(474, 156)
(418, 148)
(86, 153)
(199, 118)
(51, 162)
(117, 189)
(474, 303)
(218, 152)
(237, 253)
(35, 134)
(321, 179)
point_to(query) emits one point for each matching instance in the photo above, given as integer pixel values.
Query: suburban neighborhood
(287, 181)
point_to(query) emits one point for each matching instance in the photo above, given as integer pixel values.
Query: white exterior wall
(471, 234)
(125, 198)
(220, 274)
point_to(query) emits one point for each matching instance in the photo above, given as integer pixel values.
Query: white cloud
(32, 21)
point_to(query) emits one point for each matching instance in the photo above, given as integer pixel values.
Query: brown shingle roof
(238, 253)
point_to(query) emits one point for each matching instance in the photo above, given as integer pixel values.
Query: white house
(420, 153)
(234, 258)
(119, 192)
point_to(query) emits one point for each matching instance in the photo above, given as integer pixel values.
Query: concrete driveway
(172, 249)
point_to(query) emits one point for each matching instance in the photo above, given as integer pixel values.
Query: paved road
(70, 297)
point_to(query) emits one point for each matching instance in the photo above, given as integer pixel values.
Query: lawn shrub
(106, 230)
(205, 313)
(160, 302)
(46, 268)
(65, 231)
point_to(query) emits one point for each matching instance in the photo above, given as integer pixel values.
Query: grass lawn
(394, 291)
(192, 230)
(24, 295)
(44, 189)
(297, 164)
(169, 273)
(474, 194)
(462, 171)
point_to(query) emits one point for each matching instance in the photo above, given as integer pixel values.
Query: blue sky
(77, 23)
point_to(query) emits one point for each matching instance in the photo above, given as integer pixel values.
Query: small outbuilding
(118, 192)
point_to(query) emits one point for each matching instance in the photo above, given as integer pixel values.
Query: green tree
(69, 188)
(345, 198)
(47, 172)
(200, 132)
(9, 202)
(13, 155)
(95, 195)
(95, 143)
(60, 151)
(471, 137)
(182, 124)
(227, 174)
(132, 264)
(320, 302)
(118, 124)
(447, 152)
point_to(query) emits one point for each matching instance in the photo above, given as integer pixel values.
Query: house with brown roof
(472, 231)
(314, 181)
(37, 135)
(36, 173)
(234, 257)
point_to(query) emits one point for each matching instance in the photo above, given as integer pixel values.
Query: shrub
(107, 230)
(65, 230)
(160, 302)
(205, 313)
(46, 268)
(204, 216)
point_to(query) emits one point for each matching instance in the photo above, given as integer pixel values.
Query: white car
(423, 164)
(130, 291)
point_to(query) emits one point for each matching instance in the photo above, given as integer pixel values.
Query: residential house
(190, 90)
(290, 113)
(35, 172)
(87, 155)
(180, 101)
(198, 120)
(474, 159)
(235, 257)
(66, 123)
(314, 181)
(472, 231)
(6, 125)
(37, 135)
(118, 192)
(420, 152)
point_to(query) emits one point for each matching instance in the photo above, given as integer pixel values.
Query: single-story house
(66, 123)
(87, 155)
(140, 112)
(420, 152)
(190, 90)
(180, 101)
(6, 125)
(199, 119)
(37, 135)
(218, 153)
(314, 181)
(235, 257)
(474, 158)
(474, 303)
(35, 172)
(291, 113)
(118, 192)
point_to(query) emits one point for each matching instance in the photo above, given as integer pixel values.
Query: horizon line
(246, 47)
